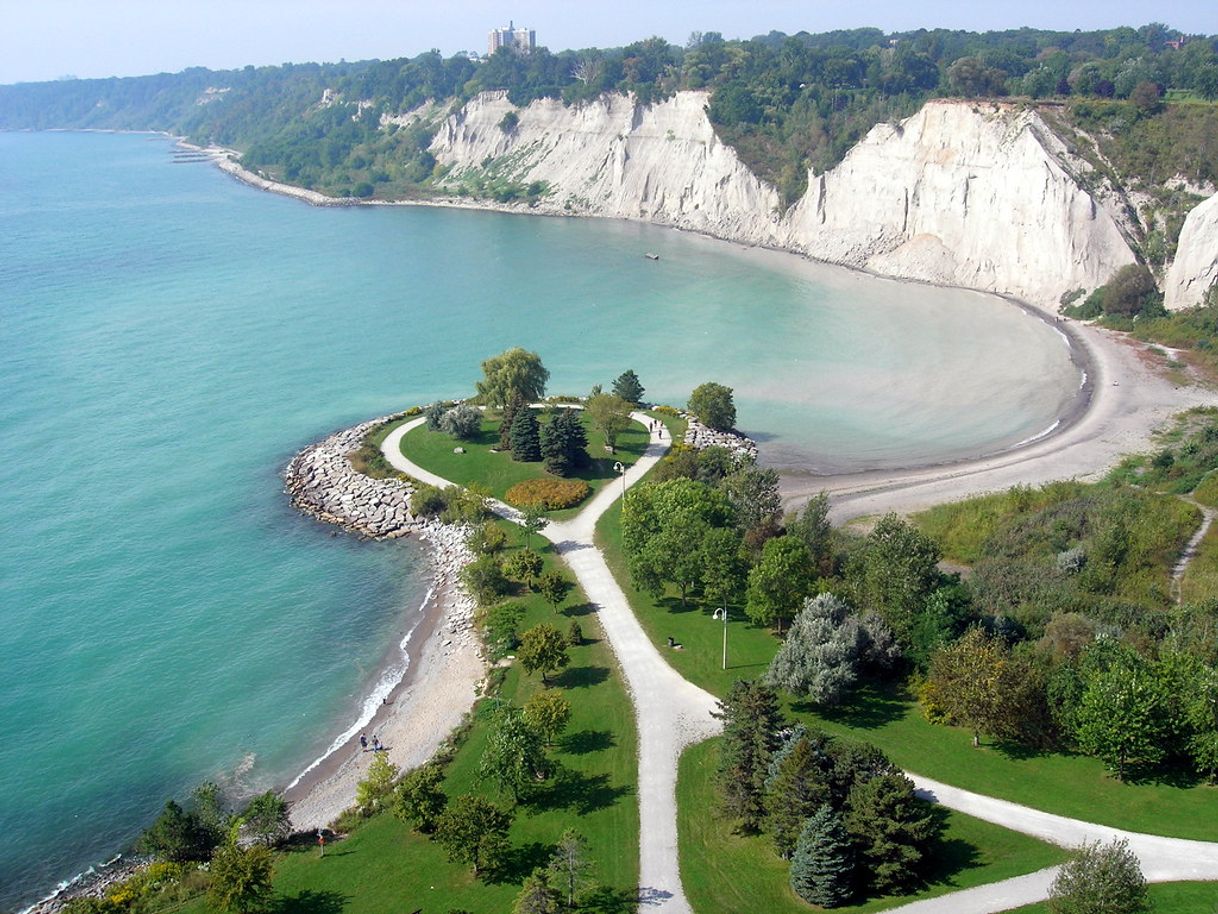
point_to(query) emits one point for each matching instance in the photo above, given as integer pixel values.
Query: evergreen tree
(564, 444)
(822, 871)
(798, 789)
(510, 409)
(891, 830)
(751, 724)
(819, 658)
(525, 436)
(627, 387)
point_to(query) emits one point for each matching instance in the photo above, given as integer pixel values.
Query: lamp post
(722, 614)
(620, 469)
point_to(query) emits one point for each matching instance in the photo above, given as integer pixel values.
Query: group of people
(656, 426)
(375, 746)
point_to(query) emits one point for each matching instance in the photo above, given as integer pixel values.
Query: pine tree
(627, 387)
(821, 868)
(526, 436)
(510, 409)
(751, 724)
(798, 789)
(564, 444)
(891, 830)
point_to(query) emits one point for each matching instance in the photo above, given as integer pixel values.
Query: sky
(47, 39)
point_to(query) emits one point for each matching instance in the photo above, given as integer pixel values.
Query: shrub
(485, 581)
(462, 421)
(428, 501)
(575, 633)
(551, 494)
(433, 414)
(523, 566)
(500, 627)
(487, 539)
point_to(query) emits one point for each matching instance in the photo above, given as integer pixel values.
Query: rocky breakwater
(323, 484)
(700, 436)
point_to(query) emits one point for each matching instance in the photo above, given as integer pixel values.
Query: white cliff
(1195, 269)
(975, 195)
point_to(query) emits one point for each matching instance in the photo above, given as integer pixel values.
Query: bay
(169, 337)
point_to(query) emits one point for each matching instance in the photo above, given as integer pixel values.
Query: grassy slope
(725, 872)
(1074, 786)
(499, 472)
(385, 868)
(1200, 583)
(1167, 898)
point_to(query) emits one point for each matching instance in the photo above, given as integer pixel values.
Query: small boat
(651, 256)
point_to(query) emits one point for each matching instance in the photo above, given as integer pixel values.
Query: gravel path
(670, 711)
(1190, 550)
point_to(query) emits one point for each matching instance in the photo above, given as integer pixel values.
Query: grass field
(1166, 898)
(724, 872)
(385, 868)
(499, 472)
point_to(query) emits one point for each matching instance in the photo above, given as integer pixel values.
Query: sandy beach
(417, 717)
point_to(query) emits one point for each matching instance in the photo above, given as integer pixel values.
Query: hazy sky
(45, 39)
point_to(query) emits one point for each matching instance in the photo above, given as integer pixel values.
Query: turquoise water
(168, 338)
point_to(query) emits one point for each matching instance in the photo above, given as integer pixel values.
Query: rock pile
(323, 484)
(449, 554)
(699, 436)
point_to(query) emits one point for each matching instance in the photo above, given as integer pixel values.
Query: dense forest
(785, 102)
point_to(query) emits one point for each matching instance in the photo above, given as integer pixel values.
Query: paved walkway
(672, 713)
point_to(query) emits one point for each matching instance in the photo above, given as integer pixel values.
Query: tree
(176, 836)
(894, 573)
(419, 797)
(723, 567)
(609, 413)
(891, 830)
(553, 588)
(570, 866)
(976, 683)
(543, 648)
(240, 879)
(537, 896)
(266, 818)
(533, 520)
(547, 712)
(663, 528)
(797, 789)
(485, 580)
(433, 414)
(819, 658)
(821, 868)
(464, 422)
(751, 722)
(486, 539)
(753, 495)
(375, 791)
(524, 566)
(515, 374)
(1100, 879)
(513, 758)
(627, 386)
(525, 436)
(564, 444)
(811, 527)
(712, 404)
(1119, 718)
(779, 582)
(507, 418)
(474, 831)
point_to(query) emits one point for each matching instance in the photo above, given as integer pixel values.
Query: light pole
(620, 469)
(722, 614)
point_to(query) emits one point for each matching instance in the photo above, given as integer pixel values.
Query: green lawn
(723, 871)
(1167, 898)
(385, 868)
(499, 472)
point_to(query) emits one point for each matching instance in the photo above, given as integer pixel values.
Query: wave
(1044, 434)
(389, 680)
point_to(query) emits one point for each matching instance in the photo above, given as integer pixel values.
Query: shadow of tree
(869, 708)
(574, 790)
(520, 861)
(581, 677)
(949, 856)
(608, 900)
(579, 609)
(309, 902)
(586, 741)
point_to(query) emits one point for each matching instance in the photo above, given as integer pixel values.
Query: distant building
(522, 41)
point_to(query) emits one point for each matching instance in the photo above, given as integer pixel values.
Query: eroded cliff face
(1195, 268)
(974, 195)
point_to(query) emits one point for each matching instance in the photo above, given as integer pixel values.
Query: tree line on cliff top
(785, 102)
